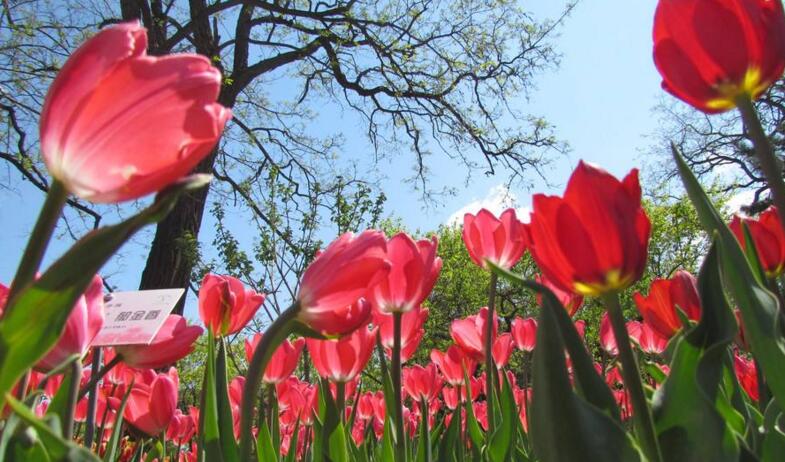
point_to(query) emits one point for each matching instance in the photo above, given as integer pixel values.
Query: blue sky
(600, 101)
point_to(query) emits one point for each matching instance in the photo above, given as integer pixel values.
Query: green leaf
(338, 449)
(503, 439)
(265, 452)
(450, 444)
(759, 307)
(58, 449)
(212, 433)
(24, 339)
(58, 406)
(424, 450)
(593, 435)
(476, 435)
(225, 419)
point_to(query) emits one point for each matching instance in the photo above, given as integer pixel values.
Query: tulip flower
(569, 300)
(469, 333)
(283, 361)
(334, 286)
(665, 295)
(342, 360)
(174, 341)
(181, 428)
(225, 305)
(152, 402)
(118, 124)
(711, 52)
(412, 330)
(768, 237)
(452, 364)
(422, 383)
(414, 268)
(365, 406)
(83, 324)
(649, 340)
(502, 349)
(594, 240)
(524, 332)
(3, 296)
(607, 340)
(747, 375)
(500, 240)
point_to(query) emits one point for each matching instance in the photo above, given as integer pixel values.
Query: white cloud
(738, 200)
(498, 199)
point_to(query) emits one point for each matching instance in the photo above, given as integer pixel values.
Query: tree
(421, 75)
(719, 145)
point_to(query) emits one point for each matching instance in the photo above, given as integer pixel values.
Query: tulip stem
(39, 239)
(340, 400)
(396, 384)
(92, 401)
(642, 420)
(95, 378)
(75, 376)
(490, 369)
(275, 334)
(768, 162)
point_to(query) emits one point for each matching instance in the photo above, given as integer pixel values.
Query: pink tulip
(83, 324)
(412, 330)
(118, 124)
(283, 361)
(365, 406)
(333, 287)
(342, 360)
(524, 332)
(649, 340)
(152, 402)
(225, 305)
(181, 428)
(173, 342)
(570, 301)
(414, 268)
(469, 333)
(502, 349)
(501, 241)
(607, 339)
(422, 383)
(452, 364)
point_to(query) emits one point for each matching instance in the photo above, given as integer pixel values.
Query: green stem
(490, 369)
(39, 239)
(427, 440)
(92, 401)
(68, 419)
(396, 384)
(275, 334)
(340, 400)
(95, 378)
(768, 162)
(642, 420)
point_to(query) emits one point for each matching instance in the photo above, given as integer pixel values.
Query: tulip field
(690, 369)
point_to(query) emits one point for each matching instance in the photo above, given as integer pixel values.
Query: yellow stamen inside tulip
(614, 282)
(751, 85)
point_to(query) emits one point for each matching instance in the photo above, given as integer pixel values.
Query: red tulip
(181, 428)
(469, 333)
(649, 340)
(452, 364)
(457, 394)
(710, 52)
(412, 330)
(747, 375)
(769, 239)
(225, 305)
(152, 402)
(500, 240)
(342, 360)
(83, 324)
(607, 339)
(3, 296)
(659, 307)
(741, 337)
(118, 124)
(334, 284)
(524, 332)
(569, 300)
(594, 240)
(365, 406)
(283, 361)
(580, 326)
(422, 383)
(502, 349)
(173, 342)
(414, 268)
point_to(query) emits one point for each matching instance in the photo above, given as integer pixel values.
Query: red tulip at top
(118, 124)
(769, 239)
(500, 240)
(83, 324)
(342, 360)
(334, 286)
(594, 240)
(659, 307)
(225, 305)
(283, 361)
(174, 341)
(710, 52)
(414, 268)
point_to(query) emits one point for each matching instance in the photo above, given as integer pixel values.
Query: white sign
(133, 318)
